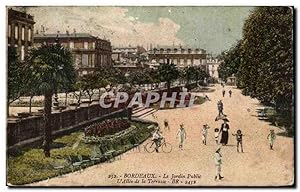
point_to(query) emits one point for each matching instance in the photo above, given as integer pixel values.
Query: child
(166, 123)
(204, 133)
(239, 139)
(217, 135)
(271, 137)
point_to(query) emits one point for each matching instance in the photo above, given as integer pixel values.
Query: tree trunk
(30, 103)
(66, 100)
(79, 97)
(169, 88)
(47, 121)
(7, 108)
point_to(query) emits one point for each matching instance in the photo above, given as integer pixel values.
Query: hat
(181, 125)
(216, 129)
(225, 119)
(239, 131)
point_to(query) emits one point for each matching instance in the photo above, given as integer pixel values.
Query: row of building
(90, 52)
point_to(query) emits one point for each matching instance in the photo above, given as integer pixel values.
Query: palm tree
(51, 66)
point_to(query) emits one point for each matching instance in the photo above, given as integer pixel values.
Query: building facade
(129, 59)
(128, 55)
(89, 52)
(180, 56)
(20, 27)
(213, 66)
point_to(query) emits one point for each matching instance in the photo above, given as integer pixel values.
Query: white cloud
(109, 22)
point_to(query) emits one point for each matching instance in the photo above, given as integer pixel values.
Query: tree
(190, 74)
(52, 67)
(89, 82)
(266, 71)
(15, 81)
(168, 73)
(231, 61)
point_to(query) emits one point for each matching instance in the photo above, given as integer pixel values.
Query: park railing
(22, 131)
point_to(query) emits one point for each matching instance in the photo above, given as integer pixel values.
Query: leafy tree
(52, 68)
(231, 61)
(168, 73)
(267, 69)
(190, 74)
(136, 78)
(153, 77)
(89, 83)
(15, 81)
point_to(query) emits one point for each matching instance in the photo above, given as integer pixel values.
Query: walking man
(230, 92)
(220, 108)
(218, 163)
(271, 137)
(181, 136)
(223, 93)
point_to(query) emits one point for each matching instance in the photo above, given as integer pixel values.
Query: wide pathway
(257, 166)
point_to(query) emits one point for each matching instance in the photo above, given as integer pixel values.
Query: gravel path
(257, 166)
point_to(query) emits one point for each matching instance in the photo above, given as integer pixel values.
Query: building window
(16, 32)
(22, 53)
(86, 45)
(29, 34)
(9, 30)
(93, 60)
(78, 60)
(84, 72)
(85, 60)
(23, 34)
(197, 61)
(181, 61)
(71, 45)
(93, 45)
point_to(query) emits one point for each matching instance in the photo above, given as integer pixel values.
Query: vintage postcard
(150, 96)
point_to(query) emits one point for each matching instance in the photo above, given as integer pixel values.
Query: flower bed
(107, 127)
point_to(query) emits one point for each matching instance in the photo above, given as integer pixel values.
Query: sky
(214, 29)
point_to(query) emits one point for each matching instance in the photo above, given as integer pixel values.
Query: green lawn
(28, 165)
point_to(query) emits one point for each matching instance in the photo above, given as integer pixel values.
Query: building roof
(20, 15)
(64, 35)
(165, 47)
